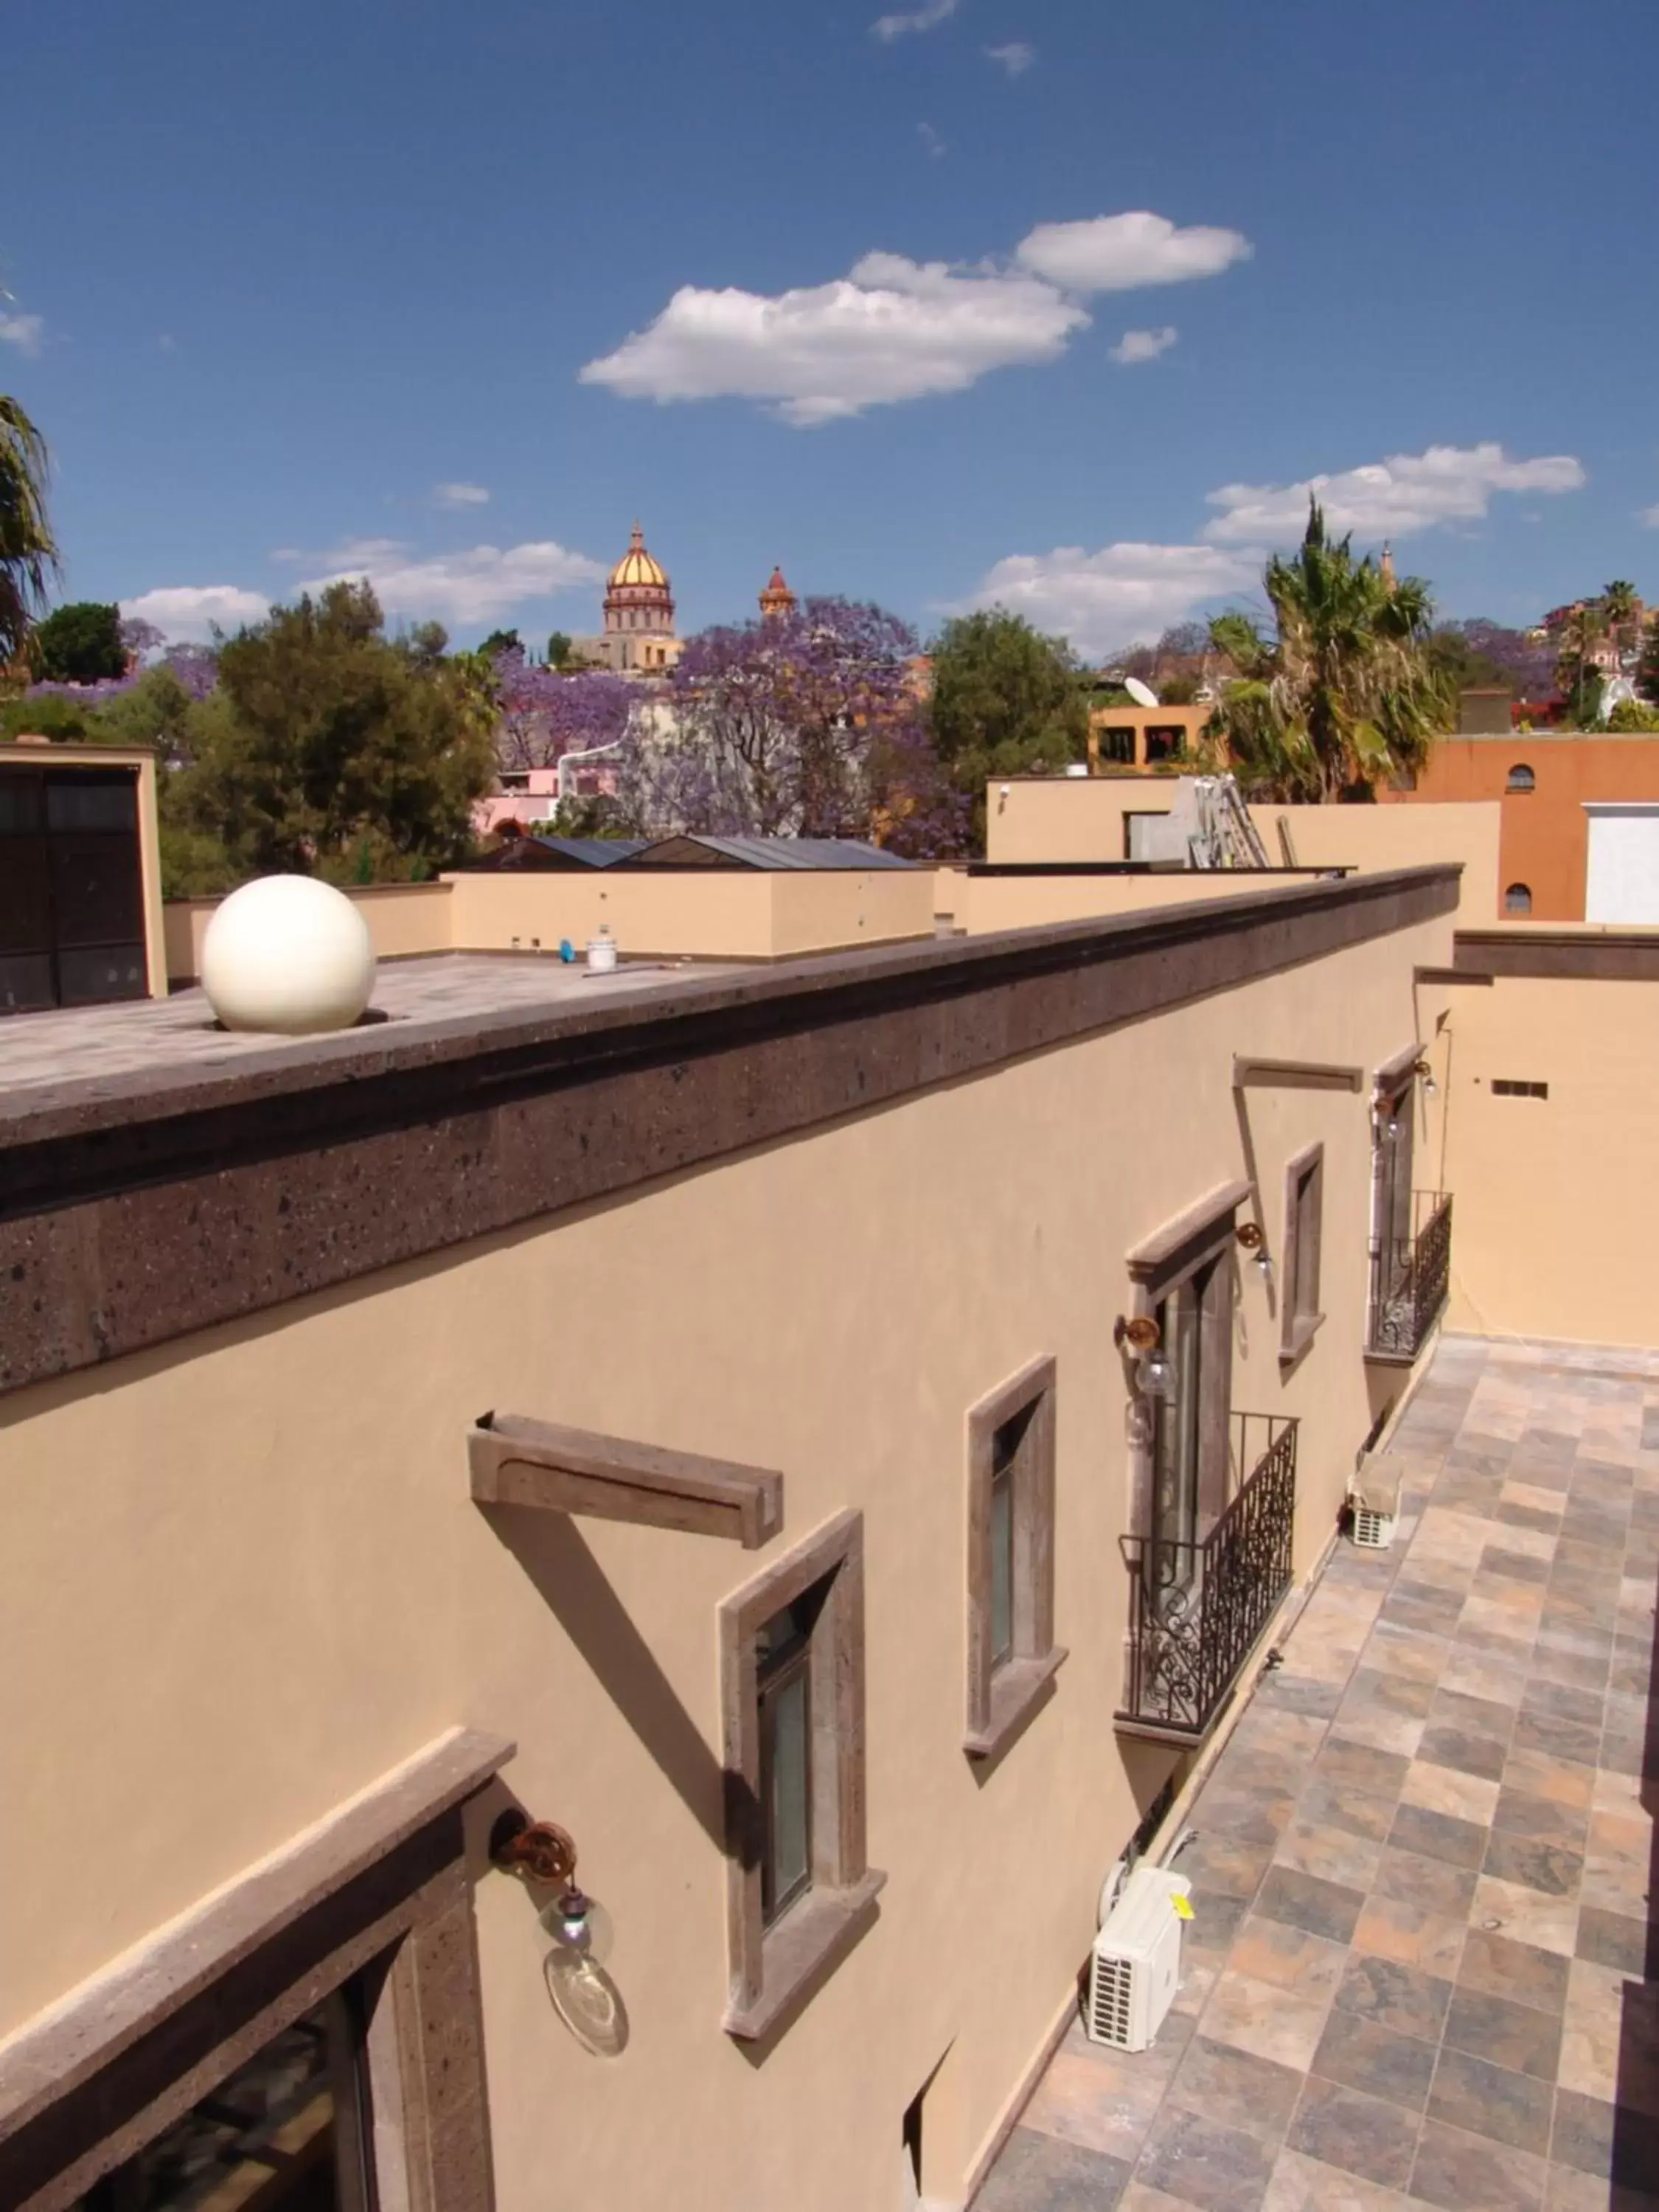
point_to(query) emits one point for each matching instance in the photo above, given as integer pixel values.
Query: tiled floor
(1417, 1973)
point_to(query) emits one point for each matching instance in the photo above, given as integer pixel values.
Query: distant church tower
(777, 600)
(1387, 564)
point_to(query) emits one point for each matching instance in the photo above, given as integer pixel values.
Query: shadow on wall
(551, 1549)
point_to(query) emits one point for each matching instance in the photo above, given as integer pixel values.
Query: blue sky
(279, 273)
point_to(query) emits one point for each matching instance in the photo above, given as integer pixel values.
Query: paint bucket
(601, 954)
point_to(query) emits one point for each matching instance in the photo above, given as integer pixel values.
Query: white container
(601, 953)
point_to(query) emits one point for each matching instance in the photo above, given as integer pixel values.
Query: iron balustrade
(1410, 1278)
(1196, 1609)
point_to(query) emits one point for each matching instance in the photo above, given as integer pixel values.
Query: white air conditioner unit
(1372, 1532)
(1136, 1962)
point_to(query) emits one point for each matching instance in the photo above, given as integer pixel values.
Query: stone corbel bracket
(517, 1461)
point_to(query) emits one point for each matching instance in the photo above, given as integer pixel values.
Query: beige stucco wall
(1078, 818)
(242, 1576)
(991, 903)
(1557, 1211)
(402, 918)
(709, 913)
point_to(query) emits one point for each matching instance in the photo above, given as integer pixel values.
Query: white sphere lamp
(289, 954)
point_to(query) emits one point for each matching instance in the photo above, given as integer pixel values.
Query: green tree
(1007, 701)
(1618, 604)
(47, 715)
(1647, 678)
(1576, 674)
(28, 555)
(1342, 694)
(80, 643)
(328, 749)
(1461, 666)
(558, 649)
(501, 640)
(1634, 715)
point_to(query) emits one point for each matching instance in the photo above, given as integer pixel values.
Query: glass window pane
(267, 2137)
(1002, 1565)
(785, 1759)
(92, 798)
(1176, 1461)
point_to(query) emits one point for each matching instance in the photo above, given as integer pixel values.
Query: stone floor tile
(1508, 2034)
(1362, 2054)
(1486, 2099)
(1444, 1789)
(1528, 1916)
(1360, 2135)
(1301, 2183)
(1307, 1901)
(1249, 1816)
(1539, 1775)
(1617, 1884)
(1482, 1755)
(1403, 1998)
(1434, 1884)
(1140, 2196)
(1597, 2137)
(1261, 2018)
(1556, 1738)
(1394, 1928)
(1289, 1958)
(1298, 1693)
(1498, 1677)
(1464, 2172)
(1617, 1793)
(1312, 1847)
(1200, 2162)
(1526, 1497)
(1341, 1805)
(1359, 1766)
(1568, 1701)
(1543, 1818)
(1616, 1940)
(1438, 1835)
(1035, 2172)
(1103, 2100)
(1237, 2088)
(1545, 1867)
(1504, 1966)
(1473, 1715)
(1226, 1866)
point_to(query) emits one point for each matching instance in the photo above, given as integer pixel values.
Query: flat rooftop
(150, 1036)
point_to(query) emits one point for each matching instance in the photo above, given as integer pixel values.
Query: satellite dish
(1142, 694)
(1614, 693)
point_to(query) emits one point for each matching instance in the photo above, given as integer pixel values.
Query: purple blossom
(544, 715)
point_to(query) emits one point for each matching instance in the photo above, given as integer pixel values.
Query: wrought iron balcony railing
(1197, 1609)
(1409, 1281)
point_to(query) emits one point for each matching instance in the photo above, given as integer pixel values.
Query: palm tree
(1619, 603)
(28, 554)
(1343, 694)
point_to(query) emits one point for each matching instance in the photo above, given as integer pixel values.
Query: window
(798, 1891)
(308, 2038)
(1504, 1087)
(1521, 778)
(1012, 1653)
(284, 2131)
(1393, 1144)
(1305, 1202)
(1518, 899)
(1180, 1464)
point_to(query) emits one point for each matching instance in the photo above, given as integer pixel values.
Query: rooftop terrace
(1419, 1971)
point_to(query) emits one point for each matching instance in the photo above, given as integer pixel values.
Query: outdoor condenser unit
(1372, 1532)
(1136, 1962)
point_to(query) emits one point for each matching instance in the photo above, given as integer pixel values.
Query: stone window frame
(774, 1970)
(1001, 1697)
(1206, 1231)
(376, 1896)
(1304, 1219)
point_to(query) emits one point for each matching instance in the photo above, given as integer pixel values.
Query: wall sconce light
(1250, 1235)
(1425, 1075)
(583, 1994)
(1154, 1373)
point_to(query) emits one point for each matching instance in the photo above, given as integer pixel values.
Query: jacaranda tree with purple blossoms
(808, 724)
(544, 715)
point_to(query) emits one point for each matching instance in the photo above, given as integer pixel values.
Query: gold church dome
(636, 567)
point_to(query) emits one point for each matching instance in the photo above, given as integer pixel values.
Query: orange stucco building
(1544, 781)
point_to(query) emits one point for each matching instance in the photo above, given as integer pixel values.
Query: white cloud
(1102, 599)
(1016, 56)
(24, 331)
(928, 17)
(460, 495)
(188, 613)
(931, 139)
(352, 553)
(1407, 492)
(1651, 516)
(478, 585)
(1119, 253)
(1143, 345)
(891, 330)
